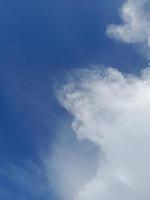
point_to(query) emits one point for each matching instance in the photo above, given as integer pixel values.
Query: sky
(74, 99)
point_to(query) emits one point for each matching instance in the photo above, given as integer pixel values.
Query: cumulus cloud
(135, 15)
(111, 110)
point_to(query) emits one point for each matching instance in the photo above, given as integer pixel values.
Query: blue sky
(39, 42)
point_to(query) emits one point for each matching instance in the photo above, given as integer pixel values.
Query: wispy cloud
(26, 181)
(135, 15)
(71, 163)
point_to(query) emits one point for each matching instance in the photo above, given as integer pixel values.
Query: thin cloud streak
(27, 181)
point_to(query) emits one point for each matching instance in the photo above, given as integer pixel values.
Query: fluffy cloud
(112, 110)
(135, 15)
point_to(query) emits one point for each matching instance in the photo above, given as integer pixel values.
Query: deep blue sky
(39, 42)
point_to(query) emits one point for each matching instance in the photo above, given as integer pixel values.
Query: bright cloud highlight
(112, 110)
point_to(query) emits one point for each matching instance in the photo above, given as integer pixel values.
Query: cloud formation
(135, 15)
(112, 110)
(71, 163)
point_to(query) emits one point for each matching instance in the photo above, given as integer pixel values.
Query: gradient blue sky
(39, 42)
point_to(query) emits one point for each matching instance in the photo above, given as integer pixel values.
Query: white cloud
(111, 110)
(71, 163)
(135, 15)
